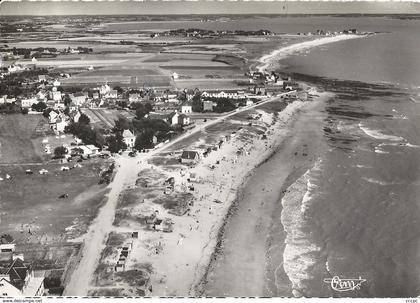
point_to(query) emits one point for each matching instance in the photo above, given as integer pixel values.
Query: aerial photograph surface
(210, 149)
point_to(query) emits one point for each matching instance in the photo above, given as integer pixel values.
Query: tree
(84, 119)
(46, 113)
(156, 125)
(25, 111)
(67, 100)
(140, 112)
(7, 238)
(121, 124)
(115, 143)
(99, 138)
(119, 89)
(60, 151)
(197, 104)
(39, 107)
(148, 107)
(144, 140)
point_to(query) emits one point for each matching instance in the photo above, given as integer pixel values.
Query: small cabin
(189, 157)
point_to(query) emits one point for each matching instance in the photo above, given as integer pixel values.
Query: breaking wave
(376, 134)
(301, 253)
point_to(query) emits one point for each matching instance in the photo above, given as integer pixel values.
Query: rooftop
(127, 133)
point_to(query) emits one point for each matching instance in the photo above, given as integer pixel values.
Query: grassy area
(20, 138)
(32, 211)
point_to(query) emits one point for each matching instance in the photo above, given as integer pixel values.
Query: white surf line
(289, 50)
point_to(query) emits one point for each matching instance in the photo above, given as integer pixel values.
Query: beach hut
(170, 181)
(43, 171)
(189, 157)
(167, 225)
(119, 267)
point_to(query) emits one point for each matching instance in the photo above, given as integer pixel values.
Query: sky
(163, 7)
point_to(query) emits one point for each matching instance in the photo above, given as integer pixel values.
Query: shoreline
(267, 60)
(261, 260)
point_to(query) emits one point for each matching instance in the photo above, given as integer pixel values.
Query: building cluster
(321, 32)
(17, 277)
(206, 33)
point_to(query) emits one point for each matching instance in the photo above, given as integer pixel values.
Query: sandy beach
(268, 60)
(239, 268)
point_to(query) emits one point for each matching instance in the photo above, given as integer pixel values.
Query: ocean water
(360, 214)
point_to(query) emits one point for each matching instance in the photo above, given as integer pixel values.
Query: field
(105, 118)
(20, 138)
(32, 200)
(31, 210)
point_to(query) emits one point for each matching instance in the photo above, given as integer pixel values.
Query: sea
(358, 225)
(360, 220)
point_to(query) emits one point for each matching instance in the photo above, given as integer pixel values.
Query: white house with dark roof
(129, 138)
(186, 109)
(27, 103)
(78, 98)
(134, 97)
(183, 120)
(18, 279)
(56, 95)
(113, 94)
(189, 156)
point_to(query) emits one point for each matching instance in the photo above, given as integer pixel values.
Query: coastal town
(141, 152)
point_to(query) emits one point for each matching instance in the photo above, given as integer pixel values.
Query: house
(60, 126)
(189, 156)
(129, 138)
(42, 95)
(186, 109)
(72, 106)
(173, 118)
(27, 103)
(78, 98)
(249, 102)
(208, 106)
(57, 123)
(56, 83)
(241, 94)
(82, 149)
(259, 90)
(93, 149)
(10, 100)
(105, 89)
(112, 94)
(53, 116)
(59, 106)
(56, 95)
(77, 116)
(42, 78)
(183, 120)
(6, 245)
(133, 97)
(18, 279)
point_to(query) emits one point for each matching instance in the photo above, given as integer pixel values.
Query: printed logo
(339, 284)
